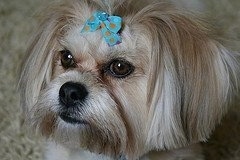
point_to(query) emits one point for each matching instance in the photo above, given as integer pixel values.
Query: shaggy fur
(182, 82)
(221, 61)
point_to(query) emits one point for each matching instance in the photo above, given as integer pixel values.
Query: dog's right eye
(67, 59)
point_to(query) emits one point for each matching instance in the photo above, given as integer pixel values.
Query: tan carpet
(17, 21)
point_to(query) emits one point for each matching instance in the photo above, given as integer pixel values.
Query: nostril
(71, 93)
(74, 96)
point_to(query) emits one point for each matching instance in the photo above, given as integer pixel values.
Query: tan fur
(180, 89)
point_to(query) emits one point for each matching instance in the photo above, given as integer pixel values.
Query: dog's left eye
(120, 68)
(67, 59)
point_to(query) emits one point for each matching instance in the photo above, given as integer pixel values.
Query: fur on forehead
(94, 44)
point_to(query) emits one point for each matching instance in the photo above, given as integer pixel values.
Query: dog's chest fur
(57, 152)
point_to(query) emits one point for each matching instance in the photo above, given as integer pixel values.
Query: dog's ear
(36, 70)
(192, 78)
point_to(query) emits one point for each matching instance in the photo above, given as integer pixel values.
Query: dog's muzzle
(71, 97)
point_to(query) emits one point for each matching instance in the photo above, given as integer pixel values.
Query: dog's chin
(76, 132)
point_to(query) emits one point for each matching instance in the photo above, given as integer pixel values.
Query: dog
(118, 79)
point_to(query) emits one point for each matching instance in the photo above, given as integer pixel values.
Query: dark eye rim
(71, 63)
(111, 73)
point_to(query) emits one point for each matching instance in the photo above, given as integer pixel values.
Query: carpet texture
(18, 21)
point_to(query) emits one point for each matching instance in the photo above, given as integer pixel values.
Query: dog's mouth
(68, 118)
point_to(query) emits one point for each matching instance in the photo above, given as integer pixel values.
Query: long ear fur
(37, 69)
(192, 77)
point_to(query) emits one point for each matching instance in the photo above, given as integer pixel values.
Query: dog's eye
(120, 68)
(67, 59)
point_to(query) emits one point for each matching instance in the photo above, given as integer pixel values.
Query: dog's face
(166, 85)
(97, 93)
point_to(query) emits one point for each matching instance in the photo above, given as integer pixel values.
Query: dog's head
(165, 85)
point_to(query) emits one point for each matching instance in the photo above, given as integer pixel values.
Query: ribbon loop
(109, 25)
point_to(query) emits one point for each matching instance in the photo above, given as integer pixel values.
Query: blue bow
(110, 26)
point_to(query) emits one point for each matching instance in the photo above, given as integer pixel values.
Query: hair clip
(109, 25)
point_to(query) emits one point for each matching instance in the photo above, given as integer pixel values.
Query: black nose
(72, 93)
